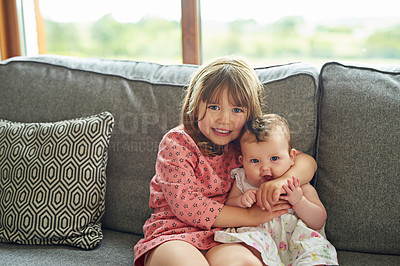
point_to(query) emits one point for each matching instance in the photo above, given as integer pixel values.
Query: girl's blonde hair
(207, 85)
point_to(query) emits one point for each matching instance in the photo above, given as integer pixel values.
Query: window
(121, 29)
(155, 30)
(273, 32)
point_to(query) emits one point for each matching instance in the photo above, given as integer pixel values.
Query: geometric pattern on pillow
(53, 181)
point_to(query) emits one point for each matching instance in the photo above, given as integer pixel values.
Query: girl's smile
(221, 132)
(221, 121)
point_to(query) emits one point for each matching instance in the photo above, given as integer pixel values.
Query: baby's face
(267, 160)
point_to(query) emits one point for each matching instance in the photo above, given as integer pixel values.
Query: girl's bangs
(236, 95)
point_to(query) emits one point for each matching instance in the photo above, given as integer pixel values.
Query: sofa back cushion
(358, 174)
(144, 99)
(292, 91)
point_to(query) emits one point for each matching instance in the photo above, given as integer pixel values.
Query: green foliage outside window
(290, 38)
(149, 39)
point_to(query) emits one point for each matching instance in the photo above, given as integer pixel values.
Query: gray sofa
(345, 115)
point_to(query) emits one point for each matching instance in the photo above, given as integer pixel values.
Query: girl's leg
(175, 253)
(233, 254)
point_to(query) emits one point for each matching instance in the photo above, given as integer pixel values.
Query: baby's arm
(236, 198)
(269, 192)
(306, 203)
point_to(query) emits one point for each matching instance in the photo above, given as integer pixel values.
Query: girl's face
(266, 160)
(221, 121)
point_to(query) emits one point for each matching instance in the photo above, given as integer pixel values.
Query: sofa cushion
(52, 181)
(358, 174)
(145, 99)
(357, 258)
(291, 91)
(116, 248)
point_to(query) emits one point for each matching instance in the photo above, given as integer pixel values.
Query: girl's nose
(224, 117)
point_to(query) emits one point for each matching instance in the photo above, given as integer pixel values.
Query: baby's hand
(294, 193)
(249, 197)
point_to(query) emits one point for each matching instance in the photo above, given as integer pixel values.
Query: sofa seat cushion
(359, 170)
(357, 258)
(116, 248)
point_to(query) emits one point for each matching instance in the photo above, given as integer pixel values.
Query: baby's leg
(233, 254)
(175, 253)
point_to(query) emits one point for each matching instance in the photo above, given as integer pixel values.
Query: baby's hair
(260, 128)
(207, 85)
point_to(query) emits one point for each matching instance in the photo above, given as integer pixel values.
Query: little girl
(192, 181)
(290, 239)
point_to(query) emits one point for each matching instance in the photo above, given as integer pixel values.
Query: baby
(267, 154)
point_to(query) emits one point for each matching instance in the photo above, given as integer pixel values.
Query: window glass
(27, 27)
(273, 32)
(121, 29)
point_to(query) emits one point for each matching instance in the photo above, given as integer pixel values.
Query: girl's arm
(235, 216)
(306, 203)
(304, 168)
(174, 179)
(236, 198)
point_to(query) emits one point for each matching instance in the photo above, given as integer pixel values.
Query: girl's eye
(213, 107)
(254, 160)
(274, 158)
(237, 110)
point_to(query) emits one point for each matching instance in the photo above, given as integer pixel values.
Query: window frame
(9, 33)
(190, 22)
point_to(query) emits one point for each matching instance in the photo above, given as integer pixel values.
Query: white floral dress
(285, 240)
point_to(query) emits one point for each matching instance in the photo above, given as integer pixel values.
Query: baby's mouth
(268, 178)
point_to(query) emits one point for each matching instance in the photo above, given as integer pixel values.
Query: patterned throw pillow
(53, 181)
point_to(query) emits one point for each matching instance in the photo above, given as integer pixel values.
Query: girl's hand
(269, 192)
(294, 193)
(260, 216)
(249, 198)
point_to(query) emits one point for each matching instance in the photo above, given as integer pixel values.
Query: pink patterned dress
(187, 193)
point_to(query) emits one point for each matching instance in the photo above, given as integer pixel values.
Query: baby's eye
(213, 107)
(237, 110)
(254, 160)
(274, 158)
